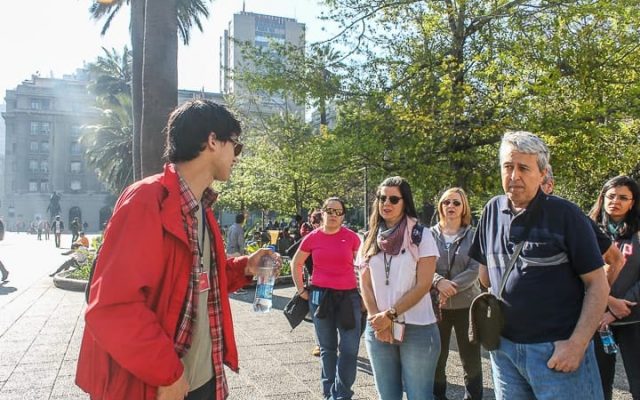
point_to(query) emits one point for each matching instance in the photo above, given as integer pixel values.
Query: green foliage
(84, 270)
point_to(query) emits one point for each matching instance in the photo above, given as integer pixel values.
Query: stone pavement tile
(294, 396)
(245, 393)
(68, 368)
(11, 357)
(33, 379)
(65, 388)
(38, 393)
(278, 383)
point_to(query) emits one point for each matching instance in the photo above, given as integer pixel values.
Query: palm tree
(112, 74)
(189, 13)
(109, 143)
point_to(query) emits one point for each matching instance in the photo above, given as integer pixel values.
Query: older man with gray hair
(557, 291)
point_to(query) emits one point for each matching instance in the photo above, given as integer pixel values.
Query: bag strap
(512, 260)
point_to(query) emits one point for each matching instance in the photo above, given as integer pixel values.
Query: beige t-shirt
(197, 362)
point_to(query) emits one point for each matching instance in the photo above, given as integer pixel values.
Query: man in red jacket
(158, 322)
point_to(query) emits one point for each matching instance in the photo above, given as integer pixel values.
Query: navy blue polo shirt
(543, 297)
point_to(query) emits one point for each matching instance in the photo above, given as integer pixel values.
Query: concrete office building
(43, 154)
(258, 30)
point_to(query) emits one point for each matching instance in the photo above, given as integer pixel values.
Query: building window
(76, 167)
(75, 185)
(40, 128)
(76, 131)
(33, 166)
(33, 186)
(76, 149)
(44, 186)
(33, 146)
(40, 104)
(44, 166)
(44, 147)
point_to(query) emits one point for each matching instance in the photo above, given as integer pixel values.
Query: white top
(402, 277)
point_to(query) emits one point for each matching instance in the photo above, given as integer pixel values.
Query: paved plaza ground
(41, 327)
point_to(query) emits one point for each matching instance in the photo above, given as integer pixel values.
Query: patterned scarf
(390, 240)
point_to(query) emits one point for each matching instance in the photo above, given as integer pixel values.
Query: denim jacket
(458, 267)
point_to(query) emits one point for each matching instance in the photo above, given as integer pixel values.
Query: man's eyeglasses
(455, 203)
(622, 197)
(237, 145)
(333, 211)
(392, 199)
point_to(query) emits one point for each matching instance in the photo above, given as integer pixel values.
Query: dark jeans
(4, 271)
(469, 354)
(204, 392)
(628, 339)
(66, 265)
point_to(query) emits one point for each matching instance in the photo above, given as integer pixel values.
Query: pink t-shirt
(332, 258)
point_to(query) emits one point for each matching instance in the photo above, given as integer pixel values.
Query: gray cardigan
(463, 271)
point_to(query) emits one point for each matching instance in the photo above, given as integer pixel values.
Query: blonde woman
(456, 280)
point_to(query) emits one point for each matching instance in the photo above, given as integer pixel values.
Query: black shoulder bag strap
(512, 260)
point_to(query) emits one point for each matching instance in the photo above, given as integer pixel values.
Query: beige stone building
(43, 154)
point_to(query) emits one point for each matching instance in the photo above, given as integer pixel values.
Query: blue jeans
(520, 372)
(338, 371)
(410, 365)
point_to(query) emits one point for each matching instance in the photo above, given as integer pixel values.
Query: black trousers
(628, 339)
(4, 271)
(469, 354)
(204, 392)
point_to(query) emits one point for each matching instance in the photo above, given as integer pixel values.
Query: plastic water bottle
(264, 288)
(608, 343)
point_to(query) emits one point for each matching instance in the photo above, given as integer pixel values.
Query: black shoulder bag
(486, 319)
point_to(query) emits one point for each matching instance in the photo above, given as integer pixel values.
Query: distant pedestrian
(58, 227)
(75, 229)
(46, 229)
(5, 273)
(235, 237)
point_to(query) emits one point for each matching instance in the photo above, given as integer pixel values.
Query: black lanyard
(200, 246)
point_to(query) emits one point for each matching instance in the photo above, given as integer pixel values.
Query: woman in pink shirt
(333, 297)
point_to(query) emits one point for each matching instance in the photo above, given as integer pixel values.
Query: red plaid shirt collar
(184, 334)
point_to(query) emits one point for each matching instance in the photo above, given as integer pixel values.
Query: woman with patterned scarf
(397, 261)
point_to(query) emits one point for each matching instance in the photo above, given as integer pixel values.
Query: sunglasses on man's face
(392, 199)
(333, 211)
(237, 146)
(455, 203)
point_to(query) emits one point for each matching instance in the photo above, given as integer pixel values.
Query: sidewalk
(41, 327)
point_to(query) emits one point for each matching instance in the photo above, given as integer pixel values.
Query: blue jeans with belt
(520, 372)
(338, 348)
(410, 365)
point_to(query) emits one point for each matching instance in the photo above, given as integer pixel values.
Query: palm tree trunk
(137, 43)
(159, 79)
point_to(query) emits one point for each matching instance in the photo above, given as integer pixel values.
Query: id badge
(204, 282)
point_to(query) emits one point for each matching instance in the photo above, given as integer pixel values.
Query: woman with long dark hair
(617, 211)
(333, 296)
(456, 282)
(397, 261)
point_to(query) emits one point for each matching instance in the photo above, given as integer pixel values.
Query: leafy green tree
(109, 143)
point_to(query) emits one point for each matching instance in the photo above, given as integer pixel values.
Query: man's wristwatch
(392, 313)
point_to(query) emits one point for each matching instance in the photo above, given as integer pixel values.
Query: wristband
(612, 314)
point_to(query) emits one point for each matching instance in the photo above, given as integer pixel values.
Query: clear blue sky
(56, 36)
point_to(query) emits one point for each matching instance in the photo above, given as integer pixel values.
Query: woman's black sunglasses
(392, 199)
(455, 203)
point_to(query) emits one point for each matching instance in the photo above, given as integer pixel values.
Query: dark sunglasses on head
(333, 211)
(237, 146)
(455, 203)
(392, 199)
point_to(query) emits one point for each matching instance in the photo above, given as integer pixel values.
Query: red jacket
(138, 290)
